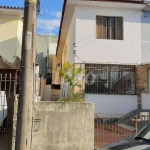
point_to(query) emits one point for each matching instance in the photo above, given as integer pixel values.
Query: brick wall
(141, 82)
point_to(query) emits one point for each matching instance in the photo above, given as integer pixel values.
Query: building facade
(109, 39)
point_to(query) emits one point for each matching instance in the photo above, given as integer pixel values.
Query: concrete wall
(145, 29)
(142, 82)
(89, 48)
(47, 93)
(112, 104)
(145, 101)
(64, 126)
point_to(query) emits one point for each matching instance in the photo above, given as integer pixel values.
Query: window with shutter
(104, 29)
(112, 28)
(118, 29)
(99, 26)
(109, 27)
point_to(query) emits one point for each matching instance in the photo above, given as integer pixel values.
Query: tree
(70, 76)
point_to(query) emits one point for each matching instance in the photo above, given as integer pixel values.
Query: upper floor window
(109, 27)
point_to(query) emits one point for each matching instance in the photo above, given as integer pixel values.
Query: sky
(48, 21)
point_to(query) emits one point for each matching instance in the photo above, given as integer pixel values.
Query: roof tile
(10, 7)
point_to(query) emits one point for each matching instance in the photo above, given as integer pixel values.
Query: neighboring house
(11, 25)
(11, 28)
(46, 45)
(110, 39)
(46, 57)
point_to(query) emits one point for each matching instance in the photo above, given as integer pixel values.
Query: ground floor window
(110, 78)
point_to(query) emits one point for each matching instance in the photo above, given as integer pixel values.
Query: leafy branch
(70, 75)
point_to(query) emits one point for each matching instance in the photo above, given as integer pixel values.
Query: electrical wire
(44, 26)
(124, 27)
(38, 7)
(83, 61)
(95, 33)
(80, 58)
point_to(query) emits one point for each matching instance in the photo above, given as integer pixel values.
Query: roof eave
(12, 8)
(63, 10)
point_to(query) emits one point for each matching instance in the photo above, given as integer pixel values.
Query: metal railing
(110, 78)
(104, 88)
(114, 127)
(9, 86)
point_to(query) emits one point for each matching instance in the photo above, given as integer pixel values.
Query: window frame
(113, 88)
(109, 30)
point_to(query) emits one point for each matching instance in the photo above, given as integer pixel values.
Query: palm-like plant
(70, 75)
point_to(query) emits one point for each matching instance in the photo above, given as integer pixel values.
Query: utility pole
(26, 96)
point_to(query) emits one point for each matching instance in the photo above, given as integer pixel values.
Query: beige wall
(10, 37)
(67, 54)
(19, 38)
(8, 29)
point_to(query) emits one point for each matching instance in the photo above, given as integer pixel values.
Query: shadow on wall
(10, 48)
(42, 62)
(145, 17)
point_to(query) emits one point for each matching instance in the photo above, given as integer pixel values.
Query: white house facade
(111, 38)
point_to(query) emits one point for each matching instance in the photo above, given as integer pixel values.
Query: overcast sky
(50, 15)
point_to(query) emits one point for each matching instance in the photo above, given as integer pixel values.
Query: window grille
(110, 79)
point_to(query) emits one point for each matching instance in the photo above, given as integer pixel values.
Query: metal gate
(114, 127)
(9, 86)
(109, 129)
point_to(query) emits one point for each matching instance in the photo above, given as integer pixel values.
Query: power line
(124, 27)
(83, 61)
(44, 27)
(80, 58)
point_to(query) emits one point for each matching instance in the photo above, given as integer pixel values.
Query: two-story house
(11, 29)
(110, 39)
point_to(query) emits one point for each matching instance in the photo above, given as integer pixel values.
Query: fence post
(136, 124)
(136, 121)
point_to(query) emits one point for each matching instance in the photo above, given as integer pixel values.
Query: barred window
(109, 78)
(109, 27)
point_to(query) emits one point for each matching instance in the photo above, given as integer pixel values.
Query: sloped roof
(10, 11)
